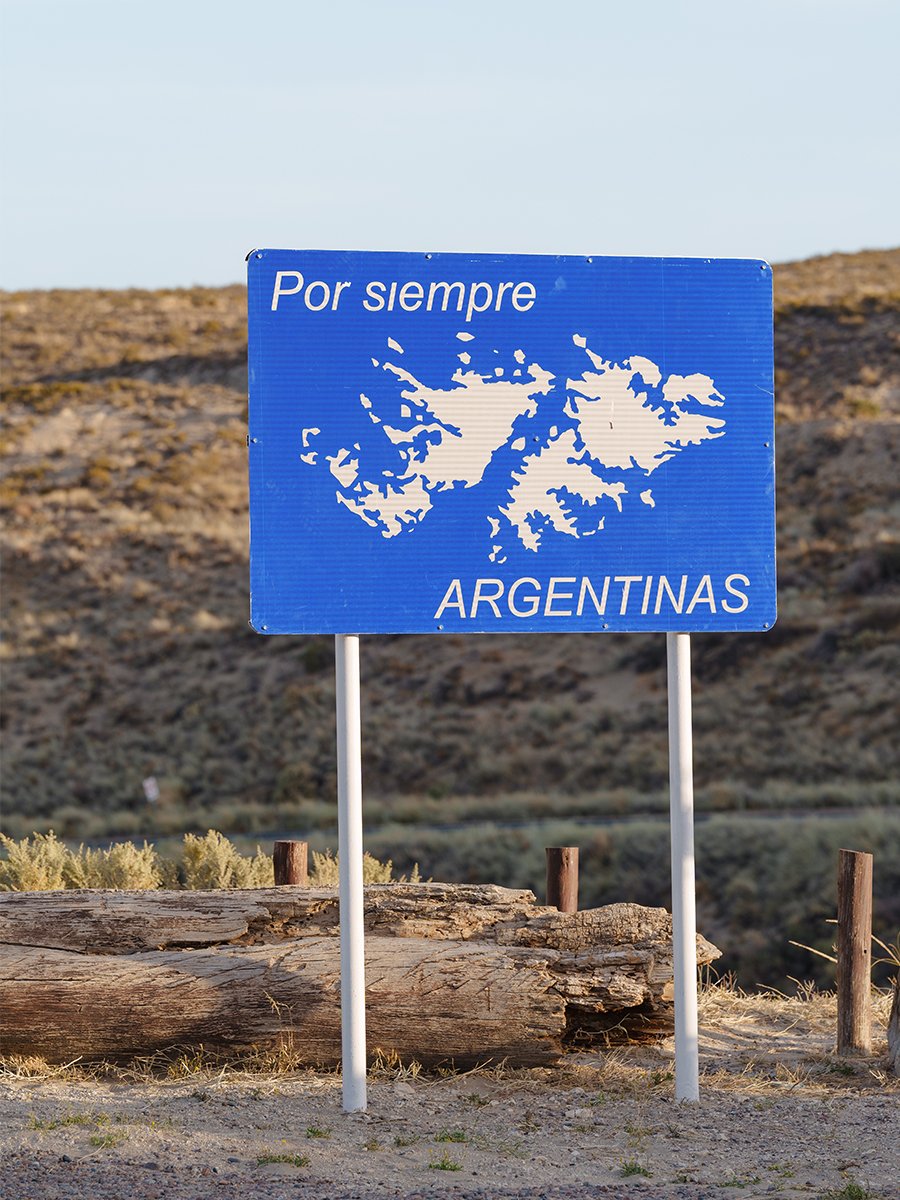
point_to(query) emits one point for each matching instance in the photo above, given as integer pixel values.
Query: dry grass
(842, 281)
(761, 1044)
(771, 1041)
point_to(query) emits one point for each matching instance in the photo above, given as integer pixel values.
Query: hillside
(128, 652)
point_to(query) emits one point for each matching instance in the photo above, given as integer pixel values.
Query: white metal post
(684, 907)
(350, 854)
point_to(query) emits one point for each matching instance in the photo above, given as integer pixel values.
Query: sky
(155, 144)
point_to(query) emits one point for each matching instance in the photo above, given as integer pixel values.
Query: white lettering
(479, 598)
(528, 296)
(533, 601)
(527, 598)
(587, 586)
(278, 291)
(731, 608)
(703, 595)
(473, 305)
(411, 296)
(553, 594)
(453, 598)
(504, 287)
(441, 295)
(627, 580)
(326, 296)
(662, 586)
(448, 288)
(646, 600)
(374, 301)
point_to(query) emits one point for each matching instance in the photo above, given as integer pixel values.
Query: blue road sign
(485, 443)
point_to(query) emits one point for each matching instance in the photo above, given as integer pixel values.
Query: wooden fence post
(854, 952)
(562, 877)
(290, 859)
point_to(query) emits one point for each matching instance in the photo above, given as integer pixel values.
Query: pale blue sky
(152, 144)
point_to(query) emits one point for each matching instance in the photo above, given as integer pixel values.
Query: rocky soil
(779, 1116)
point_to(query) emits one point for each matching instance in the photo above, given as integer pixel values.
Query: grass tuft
(293, 1160)
(631, 1167)
(850, 1191)
(451, 1135)
(445, 1163)
(106, 1141)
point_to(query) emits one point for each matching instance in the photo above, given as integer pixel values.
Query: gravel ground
(183, 1141)
(40, 1179)
(779, 1116)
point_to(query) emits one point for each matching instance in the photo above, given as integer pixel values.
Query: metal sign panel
(485, 443)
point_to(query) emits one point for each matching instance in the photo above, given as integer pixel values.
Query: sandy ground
(779, 1115)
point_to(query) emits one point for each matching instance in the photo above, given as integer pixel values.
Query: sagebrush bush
(325, 868)
(42, 863)
(122, 865)
(213, 862)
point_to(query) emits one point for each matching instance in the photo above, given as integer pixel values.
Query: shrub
(123, 865)
(44, 864)
(213, 862)
(324, 871)
(41, 864)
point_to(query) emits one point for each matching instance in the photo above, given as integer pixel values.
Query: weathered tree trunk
(464, 973)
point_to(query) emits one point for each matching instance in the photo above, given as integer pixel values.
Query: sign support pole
(684, 914)
(350, 856)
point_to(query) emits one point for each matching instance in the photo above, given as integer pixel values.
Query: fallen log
(462, 973)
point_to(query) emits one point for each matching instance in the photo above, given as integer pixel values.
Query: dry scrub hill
(128, 651)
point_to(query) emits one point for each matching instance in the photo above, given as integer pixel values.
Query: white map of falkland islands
(570, 456)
